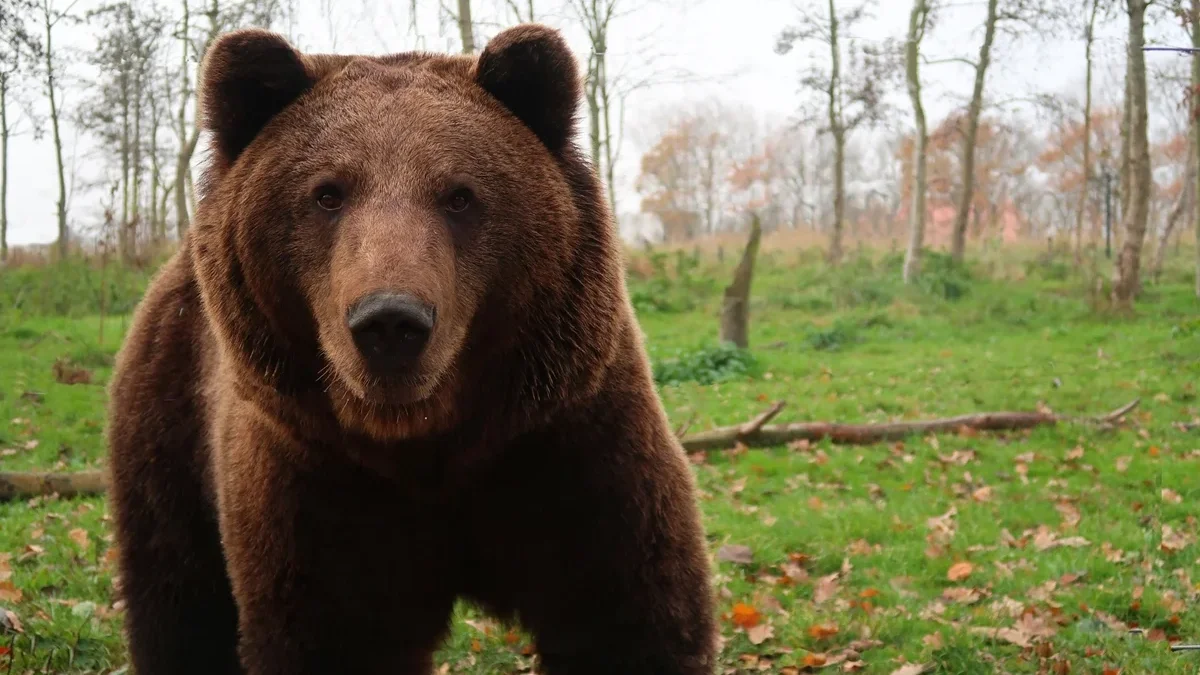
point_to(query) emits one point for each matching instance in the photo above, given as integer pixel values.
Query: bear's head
(399, 233)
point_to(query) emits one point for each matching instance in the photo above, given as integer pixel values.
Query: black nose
(390, 329)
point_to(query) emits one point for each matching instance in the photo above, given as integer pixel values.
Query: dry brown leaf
(959, 571)
(983, 494)
(1010, 635)
(1123, 463)
(760, 633)
(827, 587)
(1070, 514)
(933, 640)
(9, 593)
(736, 553)
(822, 631)
(1170, 496)
(1173, 541)
(1076, 453)
(962, 595)
(80, 537)
(814, 660)
(11, 621)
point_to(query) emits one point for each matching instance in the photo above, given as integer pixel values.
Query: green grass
(890, 520)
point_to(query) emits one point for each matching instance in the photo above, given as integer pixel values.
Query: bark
(974, 109)
(1196, 131)
(1128, 267)
(839, 139)
(20, 485)
(123, 229)
(755, 433)
(1080, 215)
(61, 204)
(735, 309)
(187, 142)
(916, 214)
(466, 29)
(136, 152)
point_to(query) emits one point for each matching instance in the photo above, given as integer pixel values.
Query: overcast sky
(727, 45)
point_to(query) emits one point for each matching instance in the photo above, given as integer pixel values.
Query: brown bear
(393, 364)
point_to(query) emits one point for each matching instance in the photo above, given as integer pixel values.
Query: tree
(1089, 36)
(19, 50)
(466, 29)
(1126, 274)
(1195, 124)
(918, 19)
(851, 96)
(51, 18)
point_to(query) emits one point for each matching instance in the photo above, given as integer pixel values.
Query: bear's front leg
(330, 571)
(592, 537)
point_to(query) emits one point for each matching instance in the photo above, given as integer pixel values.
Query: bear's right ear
(248, 76)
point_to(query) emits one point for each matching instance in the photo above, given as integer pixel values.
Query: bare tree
(51, 18)
(851, 96)
(1089, 36)
(1195, 123)
(1126, 275)
(918, 19)
(19, 50)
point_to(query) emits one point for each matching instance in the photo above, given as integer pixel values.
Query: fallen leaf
(822, 631)
(814, 660)
(1173, 541)
(1010, 635)
(959, 571)
(760, 633)
(1070, 514)
(1123, 463)
(745, 616)
(826, 588)
(80, 537)
(9, 593)
(10, 621)
(736, 553)
(983, 494)
(1170, 496)
(933, 640)
(962, 595)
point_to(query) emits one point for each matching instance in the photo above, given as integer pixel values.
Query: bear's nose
(390, 329)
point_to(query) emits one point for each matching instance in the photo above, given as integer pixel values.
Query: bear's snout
(390, 330)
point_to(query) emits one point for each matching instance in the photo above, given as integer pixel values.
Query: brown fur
(279, 509)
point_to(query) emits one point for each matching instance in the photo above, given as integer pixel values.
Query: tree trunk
(961, 216)
(466, 29)
(735, 309)
(123, 228)
(1181, 205)
(916, 214)
(839, 139)
(609, 155)
(1080, 216)
(61, 204)
(187, 138)
(1196, 130)
(136, 152)
(3, 168)
(1128, 267)
(1123, 185)
(592, 94)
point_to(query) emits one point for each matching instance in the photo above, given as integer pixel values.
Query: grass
(879, 556)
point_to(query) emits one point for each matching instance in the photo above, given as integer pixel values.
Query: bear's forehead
(406, 69)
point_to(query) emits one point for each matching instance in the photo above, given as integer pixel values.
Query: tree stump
(735, 310)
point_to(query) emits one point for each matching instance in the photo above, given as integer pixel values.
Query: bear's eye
(459, 200)
(329, 199)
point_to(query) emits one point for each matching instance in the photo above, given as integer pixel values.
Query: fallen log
(20, 485)
(757, 433)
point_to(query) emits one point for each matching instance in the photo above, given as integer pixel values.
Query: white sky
(727, 44)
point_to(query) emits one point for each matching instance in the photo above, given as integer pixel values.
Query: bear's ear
(530, 69)
(248, 76)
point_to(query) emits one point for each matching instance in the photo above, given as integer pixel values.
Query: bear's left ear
(247, 77)
(530, 69)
